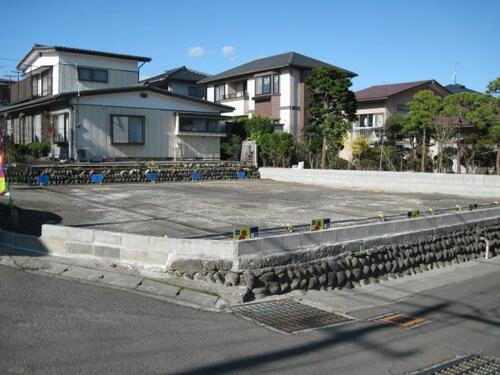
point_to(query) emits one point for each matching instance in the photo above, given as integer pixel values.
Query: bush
(367, 165)
(15, 153)
(258, 125)
(339, 163)
(231, 149)
(38, 149)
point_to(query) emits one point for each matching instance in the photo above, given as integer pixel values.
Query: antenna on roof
(455, 73)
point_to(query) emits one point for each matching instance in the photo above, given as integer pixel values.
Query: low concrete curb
(130, 280)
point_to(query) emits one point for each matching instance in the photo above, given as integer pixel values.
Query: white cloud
(196, 52)
(228, 51)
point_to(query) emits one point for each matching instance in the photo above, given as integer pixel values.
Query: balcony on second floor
(34, 85)
(236, 95)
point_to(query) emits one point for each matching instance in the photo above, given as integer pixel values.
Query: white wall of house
(93, 127)
(47, 59)
(198, 147)
(152, 101)
(121, 72)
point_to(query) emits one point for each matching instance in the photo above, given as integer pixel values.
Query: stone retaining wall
(336, 258)
(356, 263)
(80, 174)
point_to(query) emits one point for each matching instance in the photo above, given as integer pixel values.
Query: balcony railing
(20, 91)
(236, 95)
(370, 133)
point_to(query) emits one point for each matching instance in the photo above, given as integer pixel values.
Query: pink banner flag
(3, 183)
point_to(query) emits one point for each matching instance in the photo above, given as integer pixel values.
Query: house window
(188, 124)
(278, 127)
(127, 130)
(371, 120)
(276, 84)
(403, 108)
(263, 85)
(60, 125)
(34, 86)
(196, 92)
(93, 75)
(220, 91)
(47, 82)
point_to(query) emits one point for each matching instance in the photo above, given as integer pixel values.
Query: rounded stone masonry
(120, 173)
(351, 269)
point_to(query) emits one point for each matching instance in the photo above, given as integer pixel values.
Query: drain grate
(401, 320)
(470, 365)
(289, 316)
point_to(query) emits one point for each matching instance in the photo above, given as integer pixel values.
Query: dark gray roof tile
(273, 62)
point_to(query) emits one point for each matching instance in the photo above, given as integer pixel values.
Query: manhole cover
(401, 320)
(470, 365)
(289, 316)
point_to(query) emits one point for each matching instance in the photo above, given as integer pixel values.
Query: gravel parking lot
(186, 209)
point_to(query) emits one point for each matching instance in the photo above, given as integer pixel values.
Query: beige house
(272, 86)
(377, 103)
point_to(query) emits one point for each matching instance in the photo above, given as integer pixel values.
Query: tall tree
(486, 117)
(424, 109)
(476, 112)
(331, 108)
(494, 87)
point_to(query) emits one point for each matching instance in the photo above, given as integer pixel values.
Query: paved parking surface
(188, 209)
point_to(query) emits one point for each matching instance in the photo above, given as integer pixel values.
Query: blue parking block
(197, 176)
(42, 179)
(152, 176)
(97, 179)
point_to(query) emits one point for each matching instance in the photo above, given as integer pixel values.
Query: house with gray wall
(181, 80)
(90, 106)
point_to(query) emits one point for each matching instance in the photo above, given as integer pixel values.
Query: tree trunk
(423, 150)
(440, 158)
(323, 154)
(498, 160)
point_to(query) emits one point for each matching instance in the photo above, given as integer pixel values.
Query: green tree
(486, 117)
(231, 148)
(424, 109)
(494, 87)
(331, 108)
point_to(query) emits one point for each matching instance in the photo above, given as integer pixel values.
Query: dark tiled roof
(41, 47)
(385, 91)
(273, 62)
(181, 73)
(457, 87)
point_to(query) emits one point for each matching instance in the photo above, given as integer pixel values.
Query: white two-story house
(89, 105)
(272, 86)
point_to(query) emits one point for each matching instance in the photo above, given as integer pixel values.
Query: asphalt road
(56, 326)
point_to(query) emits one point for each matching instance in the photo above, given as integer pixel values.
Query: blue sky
(384, 41)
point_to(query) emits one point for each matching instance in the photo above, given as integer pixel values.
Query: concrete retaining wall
(335, 258)
(398, 182)
(134, 248)
(304, 240)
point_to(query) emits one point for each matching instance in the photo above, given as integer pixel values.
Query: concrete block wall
(398, 182)
(285, 243)
(134, 248)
